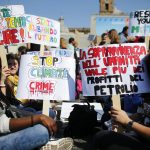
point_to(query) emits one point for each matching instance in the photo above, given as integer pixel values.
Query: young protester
(71, 44)
(124, 35)
(63, 43)
(12, 78)
(114, 37)
(27, 133)
(104, 39)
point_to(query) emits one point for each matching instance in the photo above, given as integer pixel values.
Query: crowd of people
(35, 129)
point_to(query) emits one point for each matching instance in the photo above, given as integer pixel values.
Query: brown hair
(63, 43)
(114, 37)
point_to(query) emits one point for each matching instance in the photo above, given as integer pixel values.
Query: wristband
(129, 125)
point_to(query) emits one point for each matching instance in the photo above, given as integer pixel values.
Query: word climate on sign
(116, 69)
(44, 77)
(43, 68)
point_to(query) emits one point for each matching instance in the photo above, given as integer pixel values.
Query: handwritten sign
(42, 30)
(17, 27)
(46, 77)
(55, 52)
(12, 24)
(11, 10)
(62, 52)
(115, 69)
(139, 24)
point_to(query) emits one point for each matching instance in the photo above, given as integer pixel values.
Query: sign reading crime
(115, 69)
(46, 77)
(139, 24)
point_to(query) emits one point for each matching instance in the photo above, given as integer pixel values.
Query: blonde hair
(63, 43)
(114, 37)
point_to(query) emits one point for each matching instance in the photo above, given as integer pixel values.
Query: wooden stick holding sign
(46, 103)
(3, 59)
(4, 63)
(147, 42)
(117, 103)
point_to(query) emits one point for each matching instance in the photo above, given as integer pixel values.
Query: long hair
(114, 37)
(14, 57)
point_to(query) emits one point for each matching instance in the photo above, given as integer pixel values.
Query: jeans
(26, 139)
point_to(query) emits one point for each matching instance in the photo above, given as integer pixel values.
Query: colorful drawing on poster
(44, 77)
(12, 24)
(42, 30)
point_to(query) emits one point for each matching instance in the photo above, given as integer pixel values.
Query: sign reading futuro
(115, 69)
(46, 77)
(42, 30)
(139, 24)
(17, 27)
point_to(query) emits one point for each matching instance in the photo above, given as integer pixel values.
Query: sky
(76, 13)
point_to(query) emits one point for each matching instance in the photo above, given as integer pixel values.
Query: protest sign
(114, 70)
(12, 30)
(18, 28)
(139, 24)
(42, 30)
(12, 24)
(91, 37)
(55, 52)
(46, 77)
(11, 10)
(62, 52)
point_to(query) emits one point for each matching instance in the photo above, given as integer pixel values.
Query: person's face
(126, 32)
(74, 43)
(13, 66)
(105, 37)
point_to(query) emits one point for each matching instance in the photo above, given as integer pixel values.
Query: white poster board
(12, 24)
(11, 10)
(46, 77)
(42, 30)
(29, 29)
(114, 70)
(55, 52)
(62, 52)
(139, 23)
